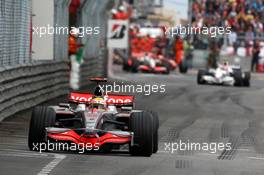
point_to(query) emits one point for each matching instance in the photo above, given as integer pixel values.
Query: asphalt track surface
(188, 112)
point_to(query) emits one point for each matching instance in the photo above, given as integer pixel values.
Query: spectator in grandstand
(245, 17)
(255, 55)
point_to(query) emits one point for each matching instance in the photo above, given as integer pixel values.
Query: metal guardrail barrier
(27, 85)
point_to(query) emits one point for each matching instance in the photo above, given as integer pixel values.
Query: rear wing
(111, 99)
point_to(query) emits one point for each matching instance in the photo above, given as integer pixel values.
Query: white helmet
(237, 61)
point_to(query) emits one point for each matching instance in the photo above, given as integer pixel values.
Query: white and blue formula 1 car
(224, 75)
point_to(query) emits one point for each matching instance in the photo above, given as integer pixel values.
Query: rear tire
(155, 118)
(41, 118)
(167, 66)
(238, 78)
(126, 67)
(200, 75)
(183, 67)
(246, 79)
(135, 65)
(141, 124)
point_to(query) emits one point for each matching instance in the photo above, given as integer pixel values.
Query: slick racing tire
(167, 66)
(238, 78)
(135, 65)
(141, 124)
(126, 67)
(155, 118)
(183, 68)
(200, 74)
(41, 118)
(246, 79)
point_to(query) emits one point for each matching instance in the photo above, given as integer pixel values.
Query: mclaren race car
(224, 75)
(103, 121)
(149, 63)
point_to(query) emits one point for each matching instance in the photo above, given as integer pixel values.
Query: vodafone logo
(110, 99)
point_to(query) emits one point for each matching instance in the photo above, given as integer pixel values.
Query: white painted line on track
(50, 166)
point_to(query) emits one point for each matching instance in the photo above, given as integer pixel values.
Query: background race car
(224, 75)
(149, 63)
(149, 52)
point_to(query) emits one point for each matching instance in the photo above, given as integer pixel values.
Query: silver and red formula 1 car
(103, 121)
(149, 63)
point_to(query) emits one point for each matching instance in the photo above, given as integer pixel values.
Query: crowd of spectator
(245, 17)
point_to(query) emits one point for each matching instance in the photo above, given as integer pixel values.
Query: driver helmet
(97, 103)
(226, 63)
(237, 61)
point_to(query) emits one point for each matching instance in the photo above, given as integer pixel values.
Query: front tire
(41, 118)
(238, 78)
(246, 79)
(141, 124)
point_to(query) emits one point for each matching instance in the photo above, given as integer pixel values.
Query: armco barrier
(25, 86)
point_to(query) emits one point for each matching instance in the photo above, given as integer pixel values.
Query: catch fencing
(15, 31)
(25, 83)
